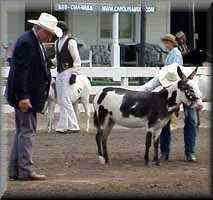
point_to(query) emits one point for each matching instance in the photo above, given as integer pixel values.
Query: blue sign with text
(101, 8)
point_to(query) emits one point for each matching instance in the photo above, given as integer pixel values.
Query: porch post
(3, 149)
(143, 37)
(193, 24)
(115, 50)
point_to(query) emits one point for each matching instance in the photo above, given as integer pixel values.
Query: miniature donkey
(134, 109)
(80, 94)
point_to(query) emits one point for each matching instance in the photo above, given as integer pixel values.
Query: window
(106, 25)
(125, 25)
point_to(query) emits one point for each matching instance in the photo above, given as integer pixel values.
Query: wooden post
(115, 53)
(193, 25)
(141, 56)
(124, 81)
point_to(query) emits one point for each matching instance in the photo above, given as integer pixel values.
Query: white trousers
(67, 116)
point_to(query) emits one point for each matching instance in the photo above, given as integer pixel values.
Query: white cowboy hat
(48, 22)
(168, 74)
(180, 34)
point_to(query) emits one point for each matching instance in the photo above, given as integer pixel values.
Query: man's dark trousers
(29, 78)
(21, 153)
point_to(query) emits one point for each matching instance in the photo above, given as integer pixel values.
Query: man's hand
(177, 111)
(50, 64)
(24, 105)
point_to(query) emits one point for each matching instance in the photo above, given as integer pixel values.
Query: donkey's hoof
(101, 160)
(48, 128)
(157, 163)
(108, 162)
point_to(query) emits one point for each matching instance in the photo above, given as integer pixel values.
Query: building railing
(121, 74)
(118, 74)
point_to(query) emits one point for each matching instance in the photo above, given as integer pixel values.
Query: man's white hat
(168, 74)
(48, 22)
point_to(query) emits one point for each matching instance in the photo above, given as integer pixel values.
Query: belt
(63, 67)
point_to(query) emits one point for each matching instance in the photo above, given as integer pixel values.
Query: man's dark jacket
(29, 76)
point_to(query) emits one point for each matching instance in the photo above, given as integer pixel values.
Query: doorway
(183, 20)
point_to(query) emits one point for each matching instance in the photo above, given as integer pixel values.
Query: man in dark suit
(27, 90)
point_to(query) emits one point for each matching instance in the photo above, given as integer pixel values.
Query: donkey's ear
(181, 74)
(191, 76)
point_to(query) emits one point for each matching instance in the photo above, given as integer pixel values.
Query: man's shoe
(61, 132)
(191, 157)
(33, 177)
(13, 178)
(164, 157)
(73, 131)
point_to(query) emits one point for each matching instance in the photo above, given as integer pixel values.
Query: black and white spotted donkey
(135, 109)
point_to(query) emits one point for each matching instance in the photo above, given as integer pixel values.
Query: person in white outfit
(68, 63)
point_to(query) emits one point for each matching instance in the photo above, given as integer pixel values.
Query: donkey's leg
(147, 145)
(99, 137)
(106, 133)
(75, 107)
(156, 137)
(47, 116)
(51, 115)
(87, 112)
(157, 129)
(156, 149)
(198, 118)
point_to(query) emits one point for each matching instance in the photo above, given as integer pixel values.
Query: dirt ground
(71, 165)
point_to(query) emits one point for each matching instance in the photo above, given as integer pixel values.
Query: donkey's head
(188, 91)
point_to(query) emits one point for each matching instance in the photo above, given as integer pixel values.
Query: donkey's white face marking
(195, 87)
(189, 93)
(197, 92)
(181, 98)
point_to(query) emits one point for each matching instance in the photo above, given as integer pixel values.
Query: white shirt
(73, 49)
(42, 49)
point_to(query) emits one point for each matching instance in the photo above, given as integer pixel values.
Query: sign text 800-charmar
(101, 8)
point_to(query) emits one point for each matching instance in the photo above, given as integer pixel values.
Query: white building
(91, 21)
(91, 27)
